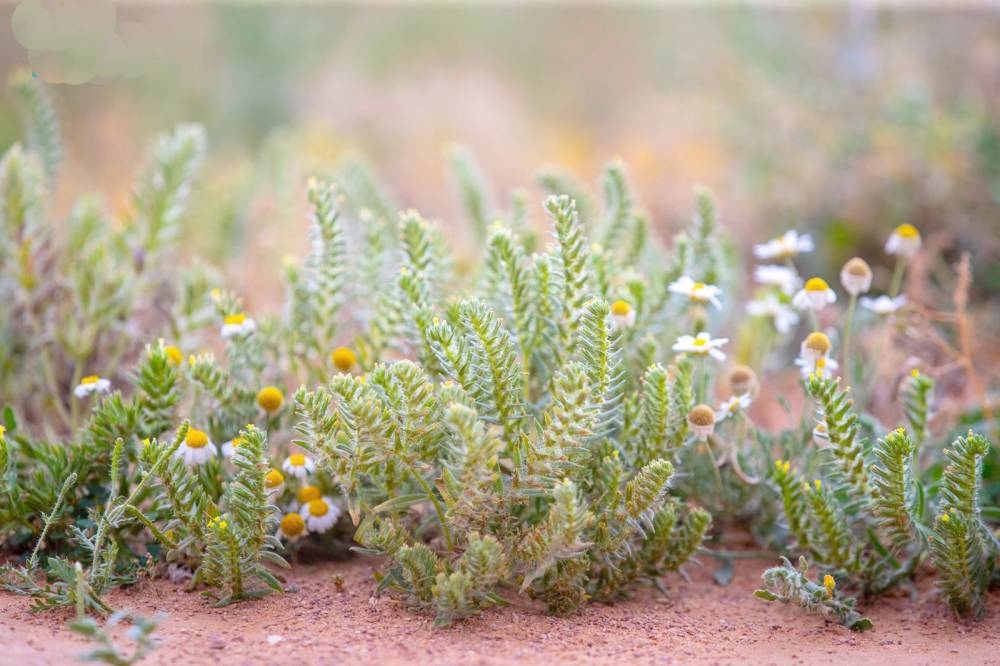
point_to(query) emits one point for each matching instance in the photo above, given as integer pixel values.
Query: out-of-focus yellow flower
(270, 399)
(830, 584)
(174, 354)
(904, 241)
(343, 359)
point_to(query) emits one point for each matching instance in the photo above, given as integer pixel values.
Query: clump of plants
(558, 419)
(873, 507)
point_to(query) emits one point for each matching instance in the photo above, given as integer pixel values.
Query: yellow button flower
(343, 359)
(270, 399)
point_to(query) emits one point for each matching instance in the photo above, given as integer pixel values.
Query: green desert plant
(791, 585)
(874, 517)
(559, 421)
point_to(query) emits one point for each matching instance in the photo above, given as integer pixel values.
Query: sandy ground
(699, 622)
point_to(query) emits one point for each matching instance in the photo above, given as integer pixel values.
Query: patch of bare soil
(698, 622)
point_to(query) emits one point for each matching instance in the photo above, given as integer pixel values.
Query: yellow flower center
(817, 284)
(308, 494)
(318, 508)
(620, 308)
(270, 399)
(907, 231)
(196, 439)
(700, 342)
(821, 427)
(273, 479)
(236, 441)
(915, 373)
(90, 379)
(698, 286)
(174, 355)
(292, 524)
(343, 359)
(818, 342)
(297, 460)
(830, 584)
(236, 319)
(820, 363)
(944, 518)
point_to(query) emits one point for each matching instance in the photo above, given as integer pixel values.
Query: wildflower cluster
(871, 515)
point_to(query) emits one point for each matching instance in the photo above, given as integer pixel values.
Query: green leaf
(400, 502)
(9, 422)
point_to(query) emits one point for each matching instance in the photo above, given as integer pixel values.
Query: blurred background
(841, 120)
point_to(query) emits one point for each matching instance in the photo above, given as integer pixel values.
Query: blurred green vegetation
(836, 120)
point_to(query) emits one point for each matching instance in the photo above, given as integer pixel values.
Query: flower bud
(856, 276)
(701, 419)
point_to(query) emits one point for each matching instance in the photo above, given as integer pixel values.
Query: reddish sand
(698, 622)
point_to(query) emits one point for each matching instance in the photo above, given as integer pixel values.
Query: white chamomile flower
(821, 436)
(306, 494)
(292, 527)
(697, 292)
(785, 318)
(815, 346)
(856, 276)
(883, 305)
(701, 345)
(815, 295)
(783, 277)
(733, 405)
(92, 384)
(622, 315)
(298, 465)
(904, 241)
(228, 448)
(320, 514)
(237, 324)
(822, 367)
(785, 246)
(196, 449)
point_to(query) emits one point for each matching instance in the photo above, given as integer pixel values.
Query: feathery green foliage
(963, 547)
(893, 489)
(521, 423)
(41, 124)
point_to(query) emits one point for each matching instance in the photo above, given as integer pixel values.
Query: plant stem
(851, 307)
(51, 517)
(702, 386)
(113, 513)
(445, 532)
(897, 277)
